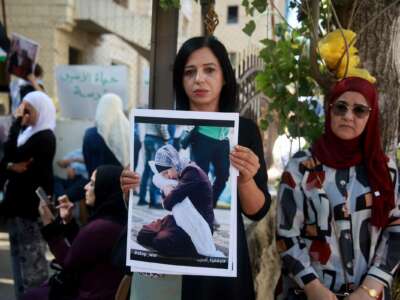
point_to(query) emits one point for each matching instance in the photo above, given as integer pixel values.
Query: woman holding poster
(204, 81)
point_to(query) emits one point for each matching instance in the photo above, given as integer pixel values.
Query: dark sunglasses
(340, 108)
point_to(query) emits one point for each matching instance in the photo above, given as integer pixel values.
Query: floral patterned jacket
(324, 230)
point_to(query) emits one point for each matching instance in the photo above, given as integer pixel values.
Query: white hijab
(113, 126)
(46, 115)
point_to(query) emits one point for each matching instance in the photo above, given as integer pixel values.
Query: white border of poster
(148, 260)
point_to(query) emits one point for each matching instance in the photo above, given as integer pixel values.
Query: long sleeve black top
(20, 198)
(240, 287)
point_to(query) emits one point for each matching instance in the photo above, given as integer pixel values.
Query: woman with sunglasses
(338, 210)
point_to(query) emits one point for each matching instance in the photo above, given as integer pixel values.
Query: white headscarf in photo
(46, 115)
(113, 126)
(167, 156)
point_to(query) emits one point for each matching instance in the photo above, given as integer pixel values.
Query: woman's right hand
(20, 167)
(129, 180)
(19, 112)
(315, 290)
(65, 208)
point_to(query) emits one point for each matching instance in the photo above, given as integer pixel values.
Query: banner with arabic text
(79, 88)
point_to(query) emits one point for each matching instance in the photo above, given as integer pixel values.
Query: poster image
(22, 56)
(182, 219)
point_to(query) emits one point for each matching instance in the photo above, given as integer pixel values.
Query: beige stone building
(102, 32)
(112, 32)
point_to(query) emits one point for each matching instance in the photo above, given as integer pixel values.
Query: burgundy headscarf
(367, 149)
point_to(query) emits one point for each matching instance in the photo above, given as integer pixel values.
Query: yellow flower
(332, 49)
(362, 73)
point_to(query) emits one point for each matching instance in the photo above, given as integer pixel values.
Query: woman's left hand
(246, 161)
(128, 180)
(358, 294)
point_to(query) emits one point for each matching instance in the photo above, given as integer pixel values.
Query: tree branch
(314, 12)
(353, 11)
(345, 42)
(366, 26)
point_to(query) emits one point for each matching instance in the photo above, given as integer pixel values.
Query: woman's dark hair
(228, 96)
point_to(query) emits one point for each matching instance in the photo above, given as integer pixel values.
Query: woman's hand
(129, 180)
(246, 161)
(19, 112)
(19, 167)
(315, 290)
(358, 294)
(361, 294)
(65, 209)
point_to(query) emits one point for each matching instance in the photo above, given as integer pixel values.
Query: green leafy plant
(286, 81)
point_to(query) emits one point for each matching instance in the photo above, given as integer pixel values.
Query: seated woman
(338, 206)
(85, 254)
(165, 235)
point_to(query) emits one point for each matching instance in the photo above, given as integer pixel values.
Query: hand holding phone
(44, 210)
(42, 194)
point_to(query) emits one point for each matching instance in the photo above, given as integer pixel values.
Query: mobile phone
(42, 195)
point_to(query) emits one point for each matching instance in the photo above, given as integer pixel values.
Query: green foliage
(249, 28)
(286, 78)
(254, 5)
(165, 4)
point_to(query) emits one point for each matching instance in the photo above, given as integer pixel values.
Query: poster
(79, 88)
(174, 226)
(22, 56)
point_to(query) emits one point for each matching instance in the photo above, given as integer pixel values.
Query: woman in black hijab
(86, 253)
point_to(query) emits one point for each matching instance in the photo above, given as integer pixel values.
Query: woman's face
(90, 197)
(203, 80)
(30, 114)
(349, 115)
(170, 173)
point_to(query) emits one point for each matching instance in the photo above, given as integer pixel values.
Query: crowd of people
(338, 208)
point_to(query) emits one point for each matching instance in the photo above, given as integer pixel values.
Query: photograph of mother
(180, 230)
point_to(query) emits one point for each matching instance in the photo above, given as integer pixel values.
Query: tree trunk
(379, 49)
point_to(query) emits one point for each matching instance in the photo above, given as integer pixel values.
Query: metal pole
(164, 37)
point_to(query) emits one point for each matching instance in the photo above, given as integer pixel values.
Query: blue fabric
(137, 146)
(79, 168)
(151, 145)
(96, 152)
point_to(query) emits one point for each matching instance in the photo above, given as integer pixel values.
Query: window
(233, 14)
(75, 56)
